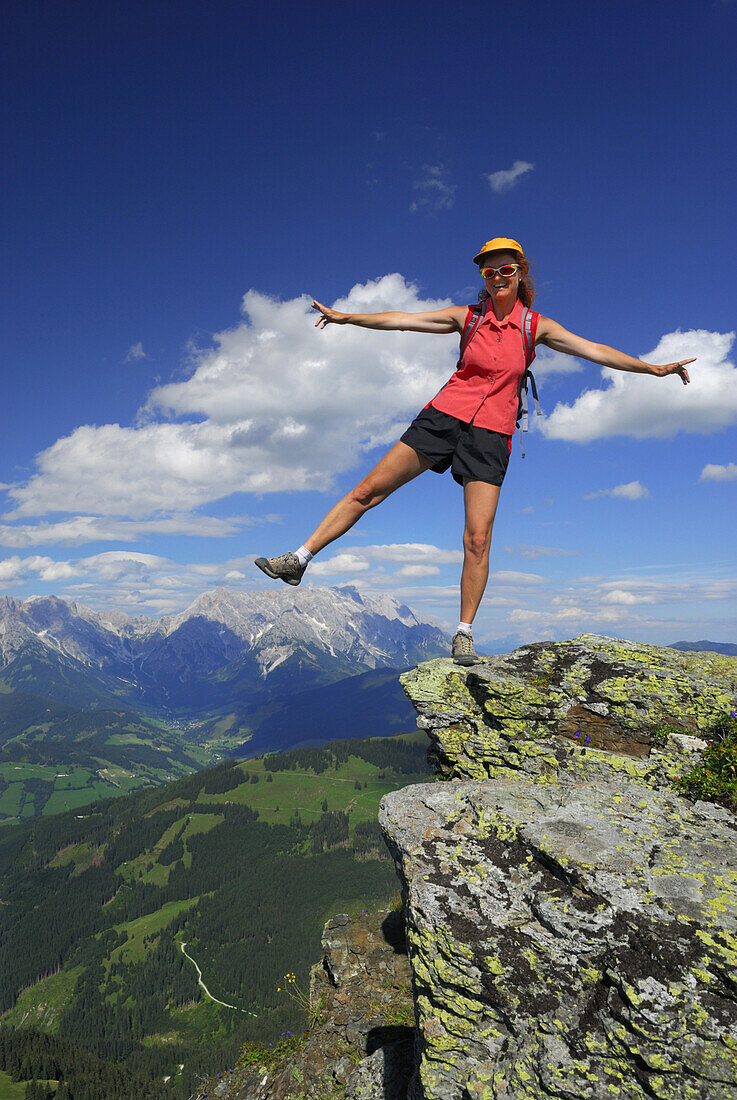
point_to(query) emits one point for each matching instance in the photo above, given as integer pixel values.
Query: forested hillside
(238, 866)
(55, 757)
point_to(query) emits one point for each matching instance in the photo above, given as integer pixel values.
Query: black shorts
(473, 454)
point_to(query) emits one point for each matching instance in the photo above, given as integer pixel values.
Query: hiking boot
(284, 568)
(463, 652)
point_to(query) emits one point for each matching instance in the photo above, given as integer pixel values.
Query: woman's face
(501, 288)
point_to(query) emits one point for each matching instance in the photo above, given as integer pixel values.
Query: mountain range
(729, 649)
(228, 649)
(95, 703)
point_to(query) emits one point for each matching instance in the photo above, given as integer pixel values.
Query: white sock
(463, 628)
(304, 555)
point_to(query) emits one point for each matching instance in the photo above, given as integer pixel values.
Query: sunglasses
(506, 271)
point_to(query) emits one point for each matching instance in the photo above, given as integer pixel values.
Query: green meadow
(42, 1004)
(11, 1090)
(63, 788)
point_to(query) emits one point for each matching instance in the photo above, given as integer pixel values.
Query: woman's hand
(674, 368)
(329, 316)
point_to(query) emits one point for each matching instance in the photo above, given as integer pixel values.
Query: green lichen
(494, 994)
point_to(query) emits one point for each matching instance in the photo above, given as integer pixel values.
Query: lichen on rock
(571, 920)
(521, 711)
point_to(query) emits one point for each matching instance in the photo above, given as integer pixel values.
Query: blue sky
(181, 176)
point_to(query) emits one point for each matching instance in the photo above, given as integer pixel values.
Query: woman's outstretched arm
(558, 338)
(450, 319)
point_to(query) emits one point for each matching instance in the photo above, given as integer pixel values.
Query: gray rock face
(569, 940)
(518, 712)
(572, 922)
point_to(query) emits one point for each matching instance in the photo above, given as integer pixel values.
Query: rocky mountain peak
(224, 647)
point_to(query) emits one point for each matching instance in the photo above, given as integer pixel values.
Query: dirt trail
(206, 990)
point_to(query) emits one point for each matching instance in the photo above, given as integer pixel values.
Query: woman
(468, 425)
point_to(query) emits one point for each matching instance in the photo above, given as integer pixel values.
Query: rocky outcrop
(361, 1042)
(571, 921)
(522, 712)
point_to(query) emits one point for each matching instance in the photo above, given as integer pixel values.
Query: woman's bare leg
(480, 502)
(398, 466)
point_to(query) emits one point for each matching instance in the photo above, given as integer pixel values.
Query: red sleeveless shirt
(485, 388)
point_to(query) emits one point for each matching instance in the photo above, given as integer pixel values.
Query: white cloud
(506, 178)
(673, 589)
(548, 362)
(133, 581)
(631, 490)
(135, 351)
(618, 605)
(416, 558)
(434, 192)
(80, 529)
(528, 616)
(112, 565)
(622, 596)
(712, 472)
(412, 552)
(647, 407)
(636, 605)
(508, 576)
(274, 405)
(340, 564)
(138, 581)
(12, 569)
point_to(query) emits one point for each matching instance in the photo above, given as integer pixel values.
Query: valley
(238, 865)
(94, 704)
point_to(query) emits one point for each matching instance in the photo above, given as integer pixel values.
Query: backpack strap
(529, 322)
(474, 317)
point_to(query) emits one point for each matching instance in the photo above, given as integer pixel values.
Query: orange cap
(500, 244)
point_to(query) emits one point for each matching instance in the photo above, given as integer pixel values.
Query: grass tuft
(714, 778)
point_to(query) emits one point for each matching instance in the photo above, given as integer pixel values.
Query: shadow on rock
(392, 929)
(385, 1074)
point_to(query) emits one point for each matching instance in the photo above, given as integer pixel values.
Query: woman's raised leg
(398, 466)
